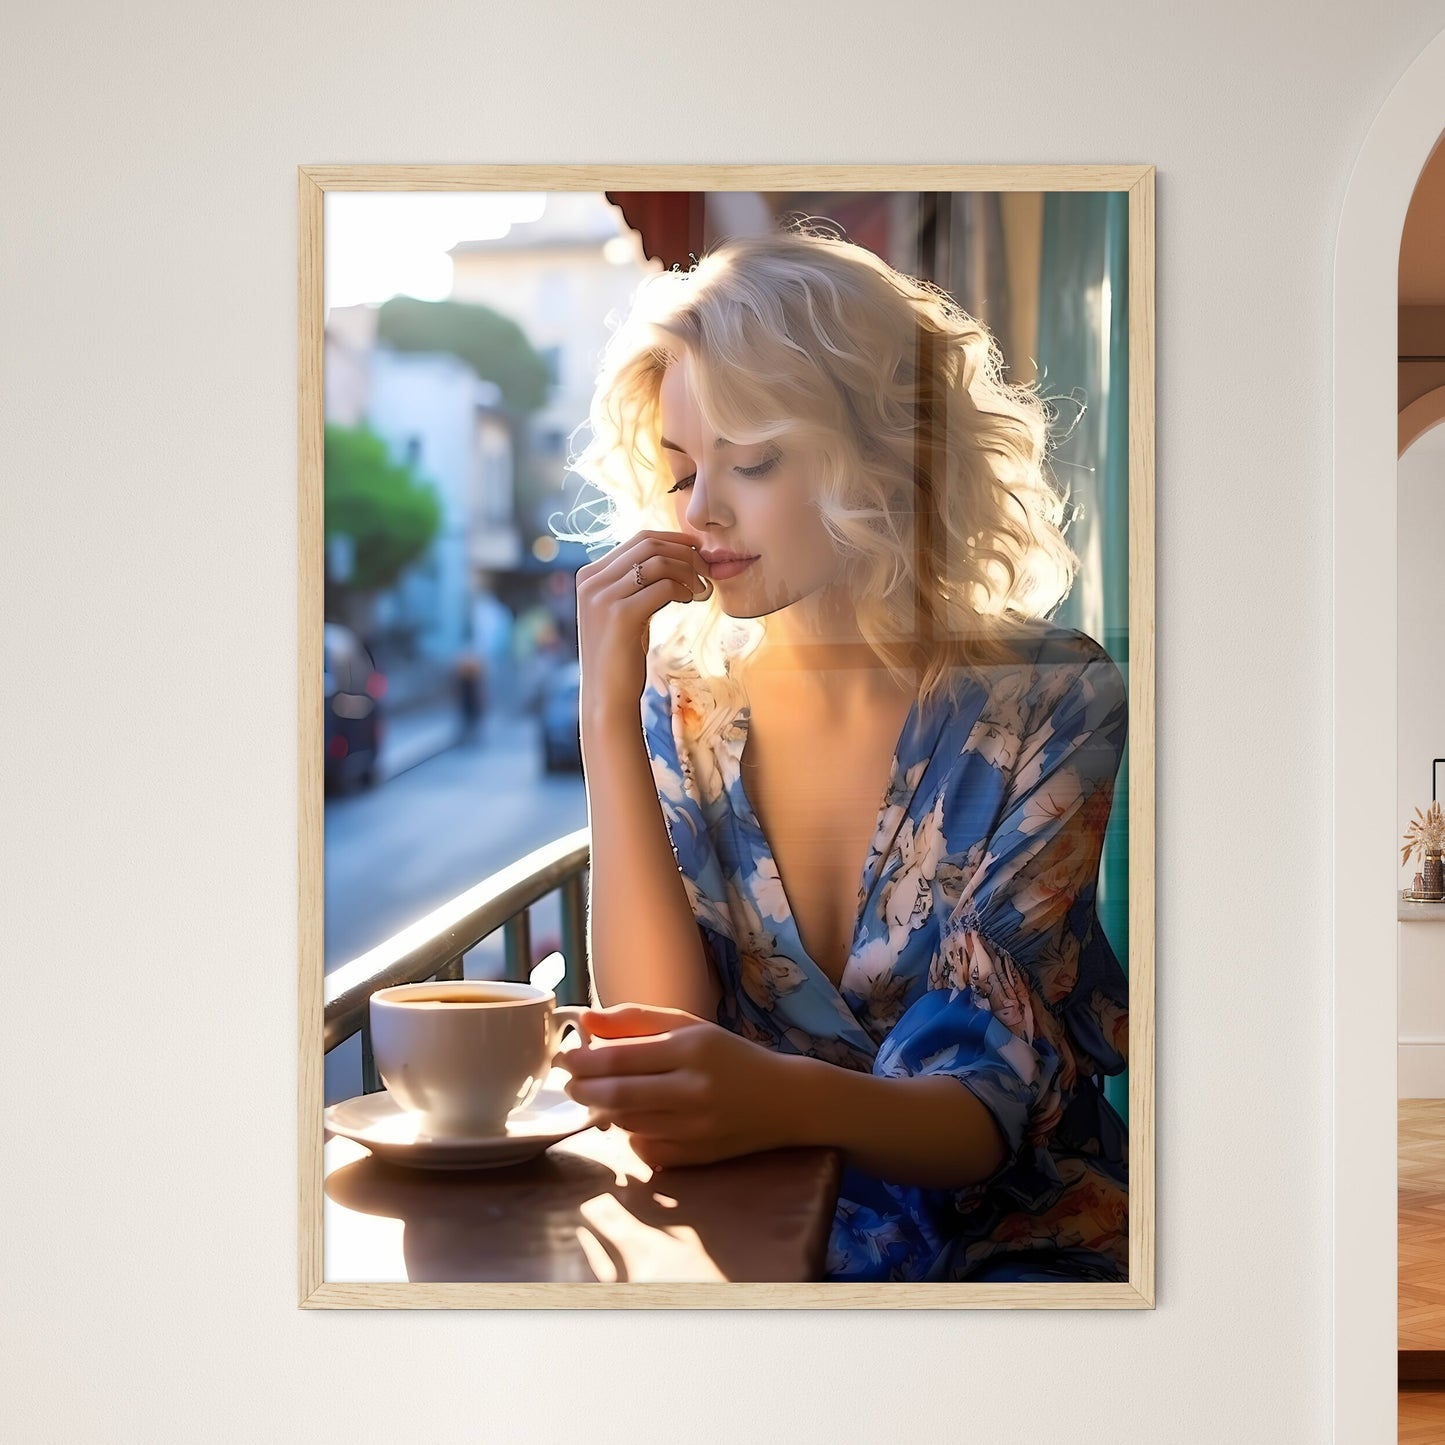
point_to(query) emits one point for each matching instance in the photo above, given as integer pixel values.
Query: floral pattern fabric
(977, 952)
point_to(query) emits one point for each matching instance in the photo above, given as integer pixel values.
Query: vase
(1434, 876)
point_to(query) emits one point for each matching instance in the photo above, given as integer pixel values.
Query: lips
(720, 566)
(714, 557)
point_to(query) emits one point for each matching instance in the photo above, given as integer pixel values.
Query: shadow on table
(571, 1217)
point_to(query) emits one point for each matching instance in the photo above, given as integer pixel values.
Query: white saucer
(398, 1136)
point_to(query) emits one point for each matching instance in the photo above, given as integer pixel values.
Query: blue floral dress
(977, 952)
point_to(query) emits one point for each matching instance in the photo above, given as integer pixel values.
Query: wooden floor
(1422, 1227)
(1422, 1271)
(1422, 1415)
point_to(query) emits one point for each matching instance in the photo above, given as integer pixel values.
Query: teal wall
(1083, 354)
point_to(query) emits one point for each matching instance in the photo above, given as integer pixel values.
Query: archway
(1366, 441)
(1417, 418)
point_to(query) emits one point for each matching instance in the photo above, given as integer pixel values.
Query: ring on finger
(637, 573)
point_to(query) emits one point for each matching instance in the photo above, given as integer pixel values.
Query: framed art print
(726, 736)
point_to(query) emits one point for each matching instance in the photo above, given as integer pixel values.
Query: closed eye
(761, 470)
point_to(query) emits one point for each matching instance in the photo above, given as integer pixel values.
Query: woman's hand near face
(614, 614)
(687, 1091)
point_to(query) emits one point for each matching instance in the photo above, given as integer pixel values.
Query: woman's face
(751, 501)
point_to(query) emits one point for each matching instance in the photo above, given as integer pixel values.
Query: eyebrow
(673, 446)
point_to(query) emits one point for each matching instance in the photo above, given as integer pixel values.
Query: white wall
(1421, 728)
(148, 1230)
(1420, 1059)
(1421, 621)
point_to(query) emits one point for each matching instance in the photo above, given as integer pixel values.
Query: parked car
(560, 708)
(354, 688)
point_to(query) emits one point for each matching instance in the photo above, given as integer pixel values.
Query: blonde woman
(843, 873)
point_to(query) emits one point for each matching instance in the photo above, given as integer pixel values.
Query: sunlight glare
(598, 1260)
(380, 244)
(675, 1253)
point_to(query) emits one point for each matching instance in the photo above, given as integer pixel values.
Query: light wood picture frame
(1133, 185)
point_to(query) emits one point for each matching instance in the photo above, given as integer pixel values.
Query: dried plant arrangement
(1425, 834)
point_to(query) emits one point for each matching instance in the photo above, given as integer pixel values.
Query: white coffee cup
(465, 1053)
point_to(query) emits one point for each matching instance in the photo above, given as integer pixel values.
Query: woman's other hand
(614, 615)
(687, 1091)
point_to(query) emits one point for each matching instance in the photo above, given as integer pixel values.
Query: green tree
(390, 514)
(493, 345)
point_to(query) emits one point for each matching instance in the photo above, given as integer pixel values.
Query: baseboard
(1420, 1069)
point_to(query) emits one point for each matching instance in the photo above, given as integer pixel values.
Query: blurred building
(349, 341)
(562, 278)
(452, 429)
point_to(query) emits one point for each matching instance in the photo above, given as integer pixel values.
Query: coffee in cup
(465, 1053)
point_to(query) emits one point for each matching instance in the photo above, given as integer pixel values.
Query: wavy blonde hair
(931, 470)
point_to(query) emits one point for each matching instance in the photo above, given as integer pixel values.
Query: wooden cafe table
(588, 1210)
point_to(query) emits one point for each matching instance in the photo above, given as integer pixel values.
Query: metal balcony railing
(433, 946)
